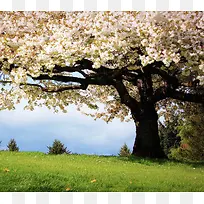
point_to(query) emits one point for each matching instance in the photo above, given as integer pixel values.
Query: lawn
(35, 171)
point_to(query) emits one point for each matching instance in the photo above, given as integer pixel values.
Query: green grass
(34, 171)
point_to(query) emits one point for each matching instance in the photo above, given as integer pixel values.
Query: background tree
(191, 132)
(124, 151)
(58, 148)
(168, 133)
(12, 146)
(129, 61)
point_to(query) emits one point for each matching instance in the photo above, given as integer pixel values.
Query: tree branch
(126, 98)
(168, 78)
(166, 92)
(189, 97)
(59, 78)
(78, 66)
(56, 89)
(160, 94)
(46, 89)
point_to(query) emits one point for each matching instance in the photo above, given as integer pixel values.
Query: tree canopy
(62, 54)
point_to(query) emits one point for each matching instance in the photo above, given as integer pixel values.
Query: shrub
(58, 148)
(12, 146)
(124, 151)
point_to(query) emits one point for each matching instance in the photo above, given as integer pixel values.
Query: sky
(35, 130)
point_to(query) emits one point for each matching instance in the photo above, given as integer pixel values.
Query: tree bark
(147, 141)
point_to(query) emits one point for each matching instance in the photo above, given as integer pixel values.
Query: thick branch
(95, 80)
(189, 97)
(126, 98)
(165, 92)
(59, 78)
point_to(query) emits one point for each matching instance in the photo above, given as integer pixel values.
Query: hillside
(34, 171)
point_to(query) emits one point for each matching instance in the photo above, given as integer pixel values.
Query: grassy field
(34, 171)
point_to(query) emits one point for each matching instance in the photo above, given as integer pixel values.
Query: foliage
(169, 135)
(44, 45)
(124, 151)
(192, 136)
(12, 145)
(58, 148)
(38, 172)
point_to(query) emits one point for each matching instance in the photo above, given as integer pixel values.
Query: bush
(124, 151)
(58, 148)
(12, 146)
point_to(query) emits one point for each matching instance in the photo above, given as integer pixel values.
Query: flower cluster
(34, 40)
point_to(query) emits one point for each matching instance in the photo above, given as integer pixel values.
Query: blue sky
(35, 130)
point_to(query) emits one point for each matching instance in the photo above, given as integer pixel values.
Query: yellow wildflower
(6, 170)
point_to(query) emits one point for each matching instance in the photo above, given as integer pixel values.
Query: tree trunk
(147, 141)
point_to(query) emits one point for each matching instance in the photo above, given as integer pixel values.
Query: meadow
(37, 172)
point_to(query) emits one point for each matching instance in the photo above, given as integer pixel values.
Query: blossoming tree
(129, 61)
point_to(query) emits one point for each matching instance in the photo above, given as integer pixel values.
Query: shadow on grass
(150, 161)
